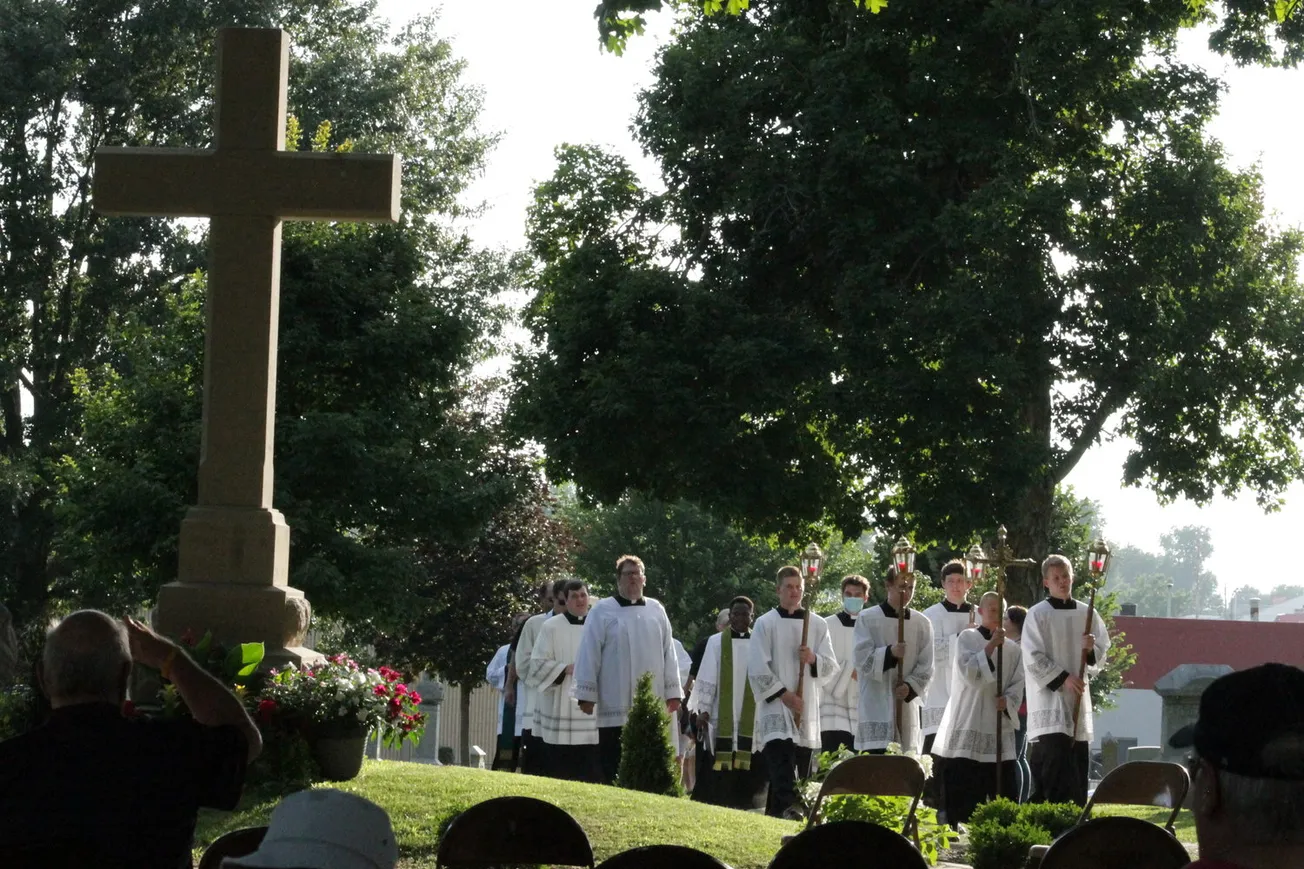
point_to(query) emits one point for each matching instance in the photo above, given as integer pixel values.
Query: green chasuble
(725, 756)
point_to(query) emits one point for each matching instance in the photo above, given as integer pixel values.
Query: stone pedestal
(276, 616)
(432, 697)
(1180, 689)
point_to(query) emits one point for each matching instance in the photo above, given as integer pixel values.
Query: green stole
(725, 756)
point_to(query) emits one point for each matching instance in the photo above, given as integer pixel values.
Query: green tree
(1152, 592)
(911, 266)
(647, 759)
(695, 563)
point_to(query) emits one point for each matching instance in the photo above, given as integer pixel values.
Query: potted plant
(336, 703)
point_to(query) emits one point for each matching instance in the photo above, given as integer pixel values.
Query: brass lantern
(1098, 557)
(812, 562)
(903, 556)
(974, 560)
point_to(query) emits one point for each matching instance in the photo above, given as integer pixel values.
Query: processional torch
(812, 562)
(1098, 561)
(903, 557)
(1002, 558)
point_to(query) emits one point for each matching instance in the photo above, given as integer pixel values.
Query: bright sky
(546, 82)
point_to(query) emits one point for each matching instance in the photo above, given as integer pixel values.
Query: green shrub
(997, 846)
(891, 812)
(1054, 818)
(647, 759)
(1001, 811)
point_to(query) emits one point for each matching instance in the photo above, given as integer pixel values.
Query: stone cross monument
(234, 559)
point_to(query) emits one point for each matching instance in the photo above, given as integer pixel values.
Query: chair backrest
(848, 845)
(1116, 843)
(880, 775)
(237, 843)
(513, 830)
(1143, 783)
(662, 857)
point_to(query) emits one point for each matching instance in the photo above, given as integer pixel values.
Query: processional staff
(1098, 561)
(812, 563)
(1001, 559)
(903, 556)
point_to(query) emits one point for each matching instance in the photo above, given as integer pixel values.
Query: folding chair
(513, 831)
(1143, 783)
(849, 845)
(877, 775)
(662, 857)
(237, 843)
(1116, 843)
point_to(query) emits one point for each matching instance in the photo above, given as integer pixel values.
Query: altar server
(569, 737)
(840, 698)
(880, 659)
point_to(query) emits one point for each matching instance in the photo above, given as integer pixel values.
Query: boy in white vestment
(527, 696)
(882, 661)
(967, 735)
(1053, 647)
(569, 737)
(841, 697)
(729, 774)
(626, 635)
(775, 660)
(949, 616)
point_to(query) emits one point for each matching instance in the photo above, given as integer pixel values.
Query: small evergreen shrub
(647, 759)
(1054, 818)
(996, 846)
(1000, 811)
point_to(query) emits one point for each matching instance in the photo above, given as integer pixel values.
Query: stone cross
(234, 548)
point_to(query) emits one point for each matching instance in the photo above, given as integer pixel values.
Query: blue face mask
(853, 605)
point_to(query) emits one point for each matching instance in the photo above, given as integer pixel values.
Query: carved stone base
(276, 616)
(235, 545)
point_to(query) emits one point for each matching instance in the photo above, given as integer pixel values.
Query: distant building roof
(1162, 644)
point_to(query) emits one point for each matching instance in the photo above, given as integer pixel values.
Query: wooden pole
(1082, 665)
(801, 665)
(901, 665)
(1000, 679)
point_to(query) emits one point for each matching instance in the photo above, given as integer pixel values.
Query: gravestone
(234, 547)
(1180, 689)
(1113, 751)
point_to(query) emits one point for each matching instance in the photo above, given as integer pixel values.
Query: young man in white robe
(967, 735)
(569, 737)
(1054, 645)
(504, 679)
(889, 670)
(730, 774)
(949, 616)
(626, 635)
(788, 731)
(840, 699)
(527, 696)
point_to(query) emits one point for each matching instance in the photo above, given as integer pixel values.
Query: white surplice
(773, 664)
(876, 632)
(947, 625)
(621, 642)
(968, 727)
(706, 690)
(1052, 650)
(525, 695)
(496, 675)
(557, 716)
(840, 699)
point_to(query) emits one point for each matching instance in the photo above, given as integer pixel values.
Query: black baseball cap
(1251, 723)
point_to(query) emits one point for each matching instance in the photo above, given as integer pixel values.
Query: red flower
(414, 696)
(266, 709)
(129, 709)
(400, 688)
(380, 691)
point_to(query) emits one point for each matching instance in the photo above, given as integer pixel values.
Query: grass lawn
(419, 798)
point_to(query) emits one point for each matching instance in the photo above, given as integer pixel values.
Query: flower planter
(338, 750)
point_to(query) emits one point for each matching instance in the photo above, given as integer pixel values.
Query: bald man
(126, 789)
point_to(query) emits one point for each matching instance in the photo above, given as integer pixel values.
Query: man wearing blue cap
(1247, 769)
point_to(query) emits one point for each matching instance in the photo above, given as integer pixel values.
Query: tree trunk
(464, 712)
(1030, 538)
